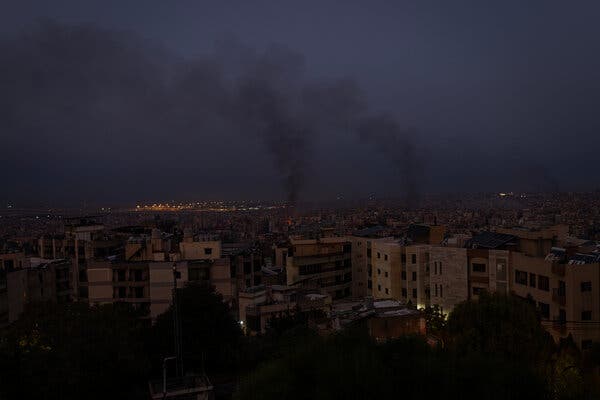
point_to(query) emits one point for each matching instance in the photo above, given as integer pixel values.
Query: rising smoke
(81, 89)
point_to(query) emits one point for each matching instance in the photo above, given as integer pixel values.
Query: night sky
(125, 101)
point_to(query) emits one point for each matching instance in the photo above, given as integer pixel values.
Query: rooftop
(490, 240)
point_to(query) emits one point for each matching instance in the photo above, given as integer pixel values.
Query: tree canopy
(74, 351)
(210, 334)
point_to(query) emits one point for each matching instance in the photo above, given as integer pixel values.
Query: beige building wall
(448, 273)
(205, 250)
(417, 275)
(161, 285)
(220, 277)
(578, 306)
(324, 263)
(386, 259)
(360, 267)
(583, 297)
(100, 283)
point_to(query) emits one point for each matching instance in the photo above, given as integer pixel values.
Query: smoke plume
(74, 92)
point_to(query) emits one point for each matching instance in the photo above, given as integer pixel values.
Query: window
(378, 255)
(435, 267)
(521, 277)
(404, 275)
(477, 290)
(370, 284)
(404, 292)
(387, 291)
(586, 344)
(586, 286)
(369, 253)
(138, 275)
(501, 270)
(532, 280)
(385, 257)
(440, 267)
(441, 291)
(544, 310)
(543, 283)
(197, 274)
(386, 274)
(414, 293)
(122, 292)
(378, 271)
(139, 292)
(478, 267)
(207, 251)
(413, 258)
(379, 288)
(586, 315)
(414, 276)
(403, 258)
(436, 290)
(303, 270)
(121, 275)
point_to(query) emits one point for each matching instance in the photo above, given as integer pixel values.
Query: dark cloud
(90, 98)
(504, 98)
(396, 144)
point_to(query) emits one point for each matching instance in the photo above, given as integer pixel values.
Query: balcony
(558, 269)
(558, 296)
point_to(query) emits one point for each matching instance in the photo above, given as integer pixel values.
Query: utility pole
(177, 324)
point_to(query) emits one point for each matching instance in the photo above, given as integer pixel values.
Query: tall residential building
(33, 280)
(145, 276)
(362, 274)
(565, 287)
(462, 273)
(388, 261)
(325, 263)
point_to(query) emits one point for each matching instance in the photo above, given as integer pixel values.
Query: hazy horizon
(108, 102)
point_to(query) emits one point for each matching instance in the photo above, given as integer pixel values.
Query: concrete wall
(453, 277)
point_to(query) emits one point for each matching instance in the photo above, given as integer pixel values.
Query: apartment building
(388, 267)
(32, 280)
(417, 275)
(565, 287)
(362, 241)
(322, 263)
(259, 304)
(89, 241)
(462, 273)
(145, 276)
(246, 264)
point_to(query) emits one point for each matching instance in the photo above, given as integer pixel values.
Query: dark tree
(74, 351)
(499, 325)
(210, 335)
